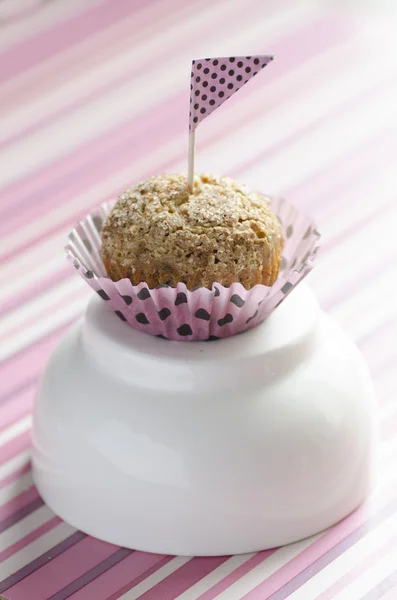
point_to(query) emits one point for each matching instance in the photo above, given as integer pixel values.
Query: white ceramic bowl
(205, 448)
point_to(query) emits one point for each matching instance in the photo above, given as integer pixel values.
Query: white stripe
(215, 577)
(374, 299)
(363, 256)
(52, 321)
(15, 429)
(347, 561)
(368, 192)
(155, 578)
(269, 566)
(47, 17)
(42, 266)
(388, 448)
(108, 111)
(35, 258)
(371, 192)
(387, 476)
(39, 308)
(385, 386)
(370, 578)
(15, 463)
(25, 526)
(389, 409)
(35, 549)
(354, 127)
(16, 487)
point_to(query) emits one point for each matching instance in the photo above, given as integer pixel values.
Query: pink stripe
(23, 13)
(26, 364)
(15, 446)
(26, 55)
(361, 568)
(11, 480)
(183, 578)
(113, 150)
(42, 314)
(131, 584)
(227, 581)
(15, 474)
(28, 539)
(21, 405)
(14, 505)
(129, 570)
(61, 571)
(35, 289)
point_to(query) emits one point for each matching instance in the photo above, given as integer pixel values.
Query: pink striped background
(94, 97)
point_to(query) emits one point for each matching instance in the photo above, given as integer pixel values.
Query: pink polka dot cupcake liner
(177, 313)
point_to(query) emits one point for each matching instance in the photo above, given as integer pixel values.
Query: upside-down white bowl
(205, 448)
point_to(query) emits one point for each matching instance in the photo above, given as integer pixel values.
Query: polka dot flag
(214, 80)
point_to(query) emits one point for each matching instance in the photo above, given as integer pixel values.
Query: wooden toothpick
(190, 168)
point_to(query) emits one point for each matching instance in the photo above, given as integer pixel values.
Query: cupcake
(160, 233)
(193, 266)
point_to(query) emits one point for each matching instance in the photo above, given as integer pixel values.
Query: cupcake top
(161, 233)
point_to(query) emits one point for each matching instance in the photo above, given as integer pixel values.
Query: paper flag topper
(214, 80)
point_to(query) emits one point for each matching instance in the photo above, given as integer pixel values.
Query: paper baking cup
(177, 313)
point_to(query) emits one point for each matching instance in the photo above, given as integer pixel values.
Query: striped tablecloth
(93, 97)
